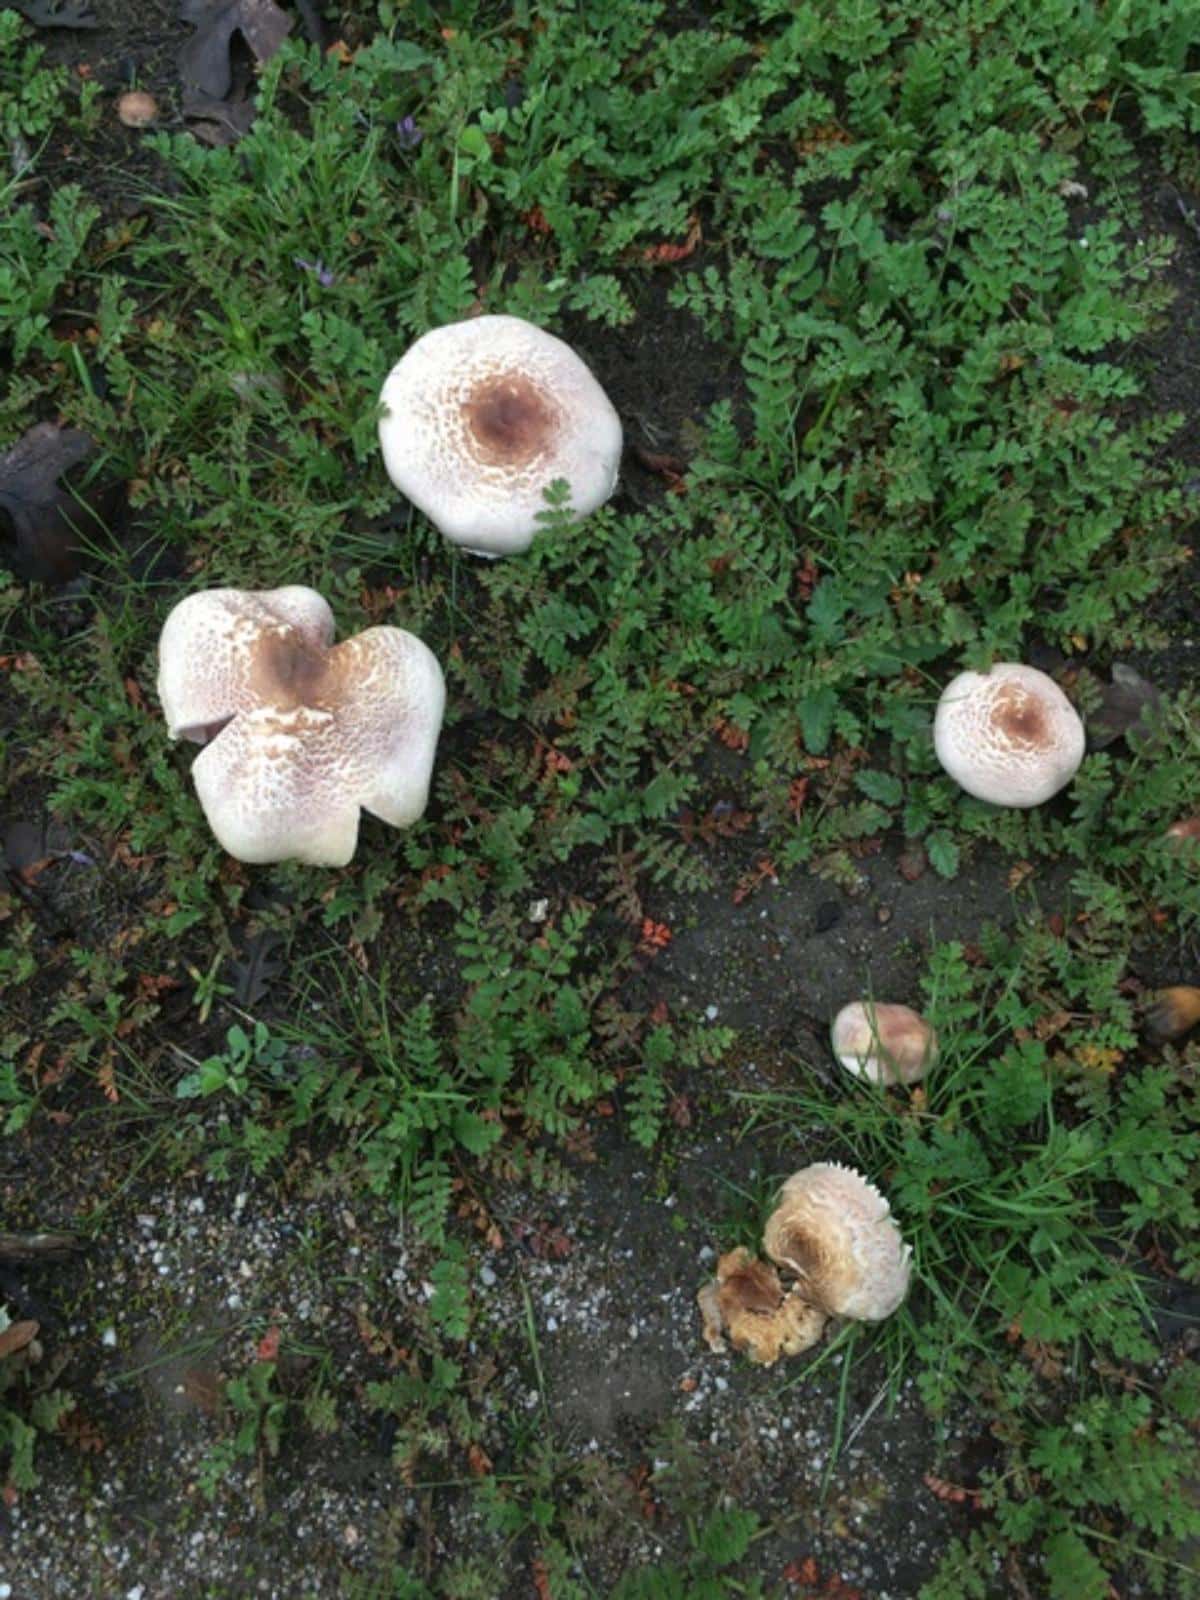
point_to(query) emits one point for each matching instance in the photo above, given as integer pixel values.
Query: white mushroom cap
(480, 416)
(299, 733)
(835, 1231)
(882, 1042)
(1010, 735)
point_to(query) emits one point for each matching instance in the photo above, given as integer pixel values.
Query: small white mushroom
(137, 109)
(882, 1042)
(299, 733)
(835, 1231)
(1010, 735)
(480, 416)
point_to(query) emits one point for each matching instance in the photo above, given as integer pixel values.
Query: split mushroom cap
(1010, 735)
(835, 1231)
(298, 733)
(480, 416)
(747, 1301)
(882, 1042)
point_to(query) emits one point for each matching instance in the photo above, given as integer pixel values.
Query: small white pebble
(109, 1338)
(487, 1277)
(712, 1012)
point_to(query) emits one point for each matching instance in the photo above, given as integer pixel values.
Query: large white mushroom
(480, 416)
(1009, 735)
(834, 1233)
(299, 734)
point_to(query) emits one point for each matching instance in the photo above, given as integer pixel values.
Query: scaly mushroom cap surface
(835, 1231)
(1010, 735)
(480, 416)
(299, 734)
(882, 1042)
(747, 1301)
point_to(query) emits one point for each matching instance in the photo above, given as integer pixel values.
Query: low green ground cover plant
(913, 240)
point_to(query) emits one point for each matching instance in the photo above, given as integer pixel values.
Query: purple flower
(408, 134)
(322, 273)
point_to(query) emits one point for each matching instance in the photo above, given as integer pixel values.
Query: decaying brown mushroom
(835, 1234)
(747, 1301)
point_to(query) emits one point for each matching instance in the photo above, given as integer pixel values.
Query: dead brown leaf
(218, 122)
(75, 14)
(1128, 706)
(204, 1388)
(38, 515)
(912, 861)
(205, 63)
(16, 1336)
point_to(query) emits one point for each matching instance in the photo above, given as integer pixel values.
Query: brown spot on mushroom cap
(835, 1231)
(509, 420)
(883, 1042)
(299, 734)
(1009, 735)
(1020, 717)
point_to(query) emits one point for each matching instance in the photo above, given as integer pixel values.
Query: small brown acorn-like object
(1186, 831)
(137, 109)
(1173, 1012)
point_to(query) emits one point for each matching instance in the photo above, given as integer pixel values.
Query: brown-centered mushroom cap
(885, 1043)
(480, 416)
(835, 1231)
(299, 733)
(1009, 735)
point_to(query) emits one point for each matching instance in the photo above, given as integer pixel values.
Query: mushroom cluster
(834, 1233)
(479, 417)
(299, 734)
